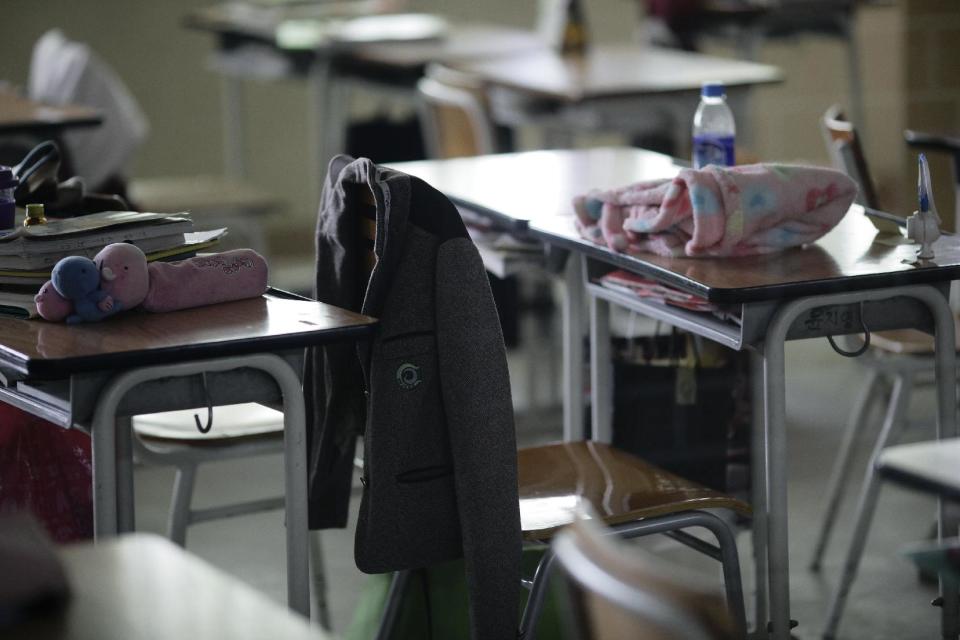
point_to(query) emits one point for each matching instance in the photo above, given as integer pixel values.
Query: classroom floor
(887, 601)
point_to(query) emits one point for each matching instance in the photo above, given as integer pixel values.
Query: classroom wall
(164, 66)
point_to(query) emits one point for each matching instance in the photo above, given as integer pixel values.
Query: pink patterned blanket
(718, 211)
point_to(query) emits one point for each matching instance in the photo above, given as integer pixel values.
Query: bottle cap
(7, 179)
(712, 90)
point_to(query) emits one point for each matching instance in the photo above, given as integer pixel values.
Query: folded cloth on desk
(718, 211)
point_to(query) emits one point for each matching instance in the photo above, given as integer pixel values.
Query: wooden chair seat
(556, 479)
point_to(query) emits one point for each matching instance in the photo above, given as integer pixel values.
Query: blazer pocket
(407, 404)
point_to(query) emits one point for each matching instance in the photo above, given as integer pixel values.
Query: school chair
(897, 360)
(846, 153)
(454, 114)
(633, 497)
(629, 495)
(182, 440)
(612, 591)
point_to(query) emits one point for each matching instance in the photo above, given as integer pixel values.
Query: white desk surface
(143, 586)
(930, 466)
(609, 70)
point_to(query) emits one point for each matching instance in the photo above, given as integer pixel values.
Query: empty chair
(846, 153)
(897, 360)
(453, 114)
(613, 591)
(174, 438)
(632, 497)
(237, 431)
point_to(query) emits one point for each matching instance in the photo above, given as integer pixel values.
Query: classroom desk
(613, 87)
(932, 467)
(832, 287)
(144, 586)
(19, 115)
(247, 47)
(96, 376)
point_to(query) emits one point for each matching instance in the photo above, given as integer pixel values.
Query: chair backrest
(453, 114)
(616, 593)
(846, 153)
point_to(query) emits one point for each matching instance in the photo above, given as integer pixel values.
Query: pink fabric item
(718, 211)
(203, 280)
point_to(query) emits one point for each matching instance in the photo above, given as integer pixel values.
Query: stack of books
(28, 254)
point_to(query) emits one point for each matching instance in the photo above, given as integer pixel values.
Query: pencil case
(203, 280)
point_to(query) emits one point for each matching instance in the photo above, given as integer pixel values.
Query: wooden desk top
(143, 586)
(612, 70)
(41, 349)
(18, 114)
(539, 186)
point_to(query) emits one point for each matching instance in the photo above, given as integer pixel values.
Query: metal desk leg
(758, 483)
(126, 521)
(573, 349)
(774, 367)
(295, 456)
(776, 483)
(601, 372)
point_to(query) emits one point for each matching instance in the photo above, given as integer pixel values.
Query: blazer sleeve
(479, 411)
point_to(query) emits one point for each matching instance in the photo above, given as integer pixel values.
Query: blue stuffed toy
(77, 279)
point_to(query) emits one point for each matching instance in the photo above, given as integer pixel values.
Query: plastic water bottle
(714, 130)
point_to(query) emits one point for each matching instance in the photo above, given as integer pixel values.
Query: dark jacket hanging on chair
(440, 474)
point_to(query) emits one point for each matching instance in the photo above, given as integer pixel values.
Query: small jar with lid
(35, 215)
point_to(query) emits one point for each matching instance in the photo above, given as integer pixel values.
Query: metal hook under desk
(866, 340)
(206, 392)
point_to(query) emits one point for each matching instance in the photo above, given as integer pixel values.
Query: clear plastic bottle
(714, 130)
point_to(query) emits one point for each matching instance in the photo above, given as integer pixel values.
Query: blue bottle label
(710, 149)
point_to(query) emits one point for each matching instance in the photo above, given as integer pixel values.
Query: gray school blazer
(430, 394)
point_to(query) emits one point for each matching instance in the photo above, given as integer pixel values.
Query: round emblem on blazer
(408, 375)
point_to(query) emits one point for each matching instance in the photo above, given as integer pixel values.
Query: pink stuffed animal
(123, 274)
(123, 278)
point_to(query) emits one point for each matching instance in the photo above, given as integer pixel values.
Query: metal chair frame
(672, 524)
